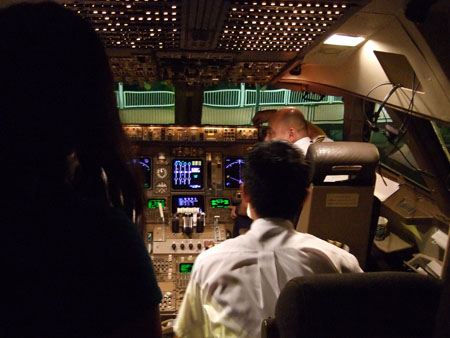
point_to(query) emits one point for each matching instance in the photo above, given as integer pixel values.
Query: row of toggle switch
(182, 246)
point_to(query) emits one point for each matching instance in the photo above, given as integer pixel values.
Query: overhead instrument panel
(192, 176)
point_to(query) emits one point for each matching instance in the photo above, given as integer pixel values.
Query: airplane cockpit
(374, 75)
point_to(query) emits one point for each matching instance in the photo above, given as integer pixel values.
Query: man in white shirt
(286, 124)
(235, 285)
(289, 124)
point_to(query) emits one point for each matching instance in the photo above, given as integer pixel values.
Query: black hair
(276, 178)
(57, 98)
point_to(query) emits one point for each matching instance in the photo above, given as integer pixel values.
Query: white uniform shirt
(303, 144)
(236, 284)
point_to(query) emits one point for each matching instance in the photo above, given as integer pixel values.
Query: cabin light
(344, 40)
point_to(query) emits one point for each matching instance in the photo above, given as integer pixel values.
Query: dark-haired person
(73, 262)
(235, 285)
(284, 124)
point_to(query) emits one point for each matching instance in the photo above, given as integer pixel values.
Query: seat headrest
(358, 160)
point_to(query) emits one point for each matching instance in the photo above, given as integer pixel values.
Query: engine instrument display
(188, 201)
(233, 168)
(144, 164)
(187, 174)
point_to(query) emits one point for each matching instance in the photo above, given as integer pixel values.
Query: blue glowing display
(188, 201)
(233, 168)
(144, 164)
(187, 174)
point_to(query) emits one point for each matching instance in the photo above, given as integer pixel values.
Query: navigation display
(187, 174)
(144, 164)
(233, 167)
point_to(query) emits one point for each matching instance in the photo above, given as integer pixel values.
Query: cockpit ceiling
(203, 42)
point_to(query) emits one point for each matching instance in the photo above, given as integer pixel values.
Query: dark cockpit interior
(374, 75)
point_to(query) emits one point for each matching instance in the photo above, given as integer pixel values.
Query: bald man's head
(287, 124)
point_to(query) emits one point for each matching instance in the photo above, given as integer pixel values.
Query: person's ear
(291, 135)
(245, 196)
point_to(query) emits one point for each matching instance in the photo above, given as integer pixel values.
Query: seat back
(341, 210)
(373, 304)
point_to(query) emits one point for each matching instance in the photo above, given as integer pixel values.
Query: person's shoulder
(215, 256)
(342, 260)
(322, 138)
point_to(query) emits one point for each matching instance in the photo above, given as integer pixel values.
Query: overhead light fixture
(344, 40)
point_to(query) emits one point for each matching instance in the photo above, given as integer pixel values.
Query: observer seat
(341, 201)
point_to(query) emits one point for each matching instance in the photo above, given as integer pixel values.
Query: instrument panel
(191, 176)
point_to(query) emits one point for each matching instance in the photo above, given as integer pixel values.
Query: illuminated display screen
(186, 267)
(187, 174)
(220, 203)
(153, 203)
(187, 201)
(145, 166)
(233, 168)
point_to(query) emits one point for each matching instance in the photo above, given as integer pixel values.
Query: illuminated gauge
(161, 172)
(161, 188)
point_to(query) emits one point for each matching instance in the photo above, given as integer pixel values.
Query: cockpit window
(443, 133)
(394, 152)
